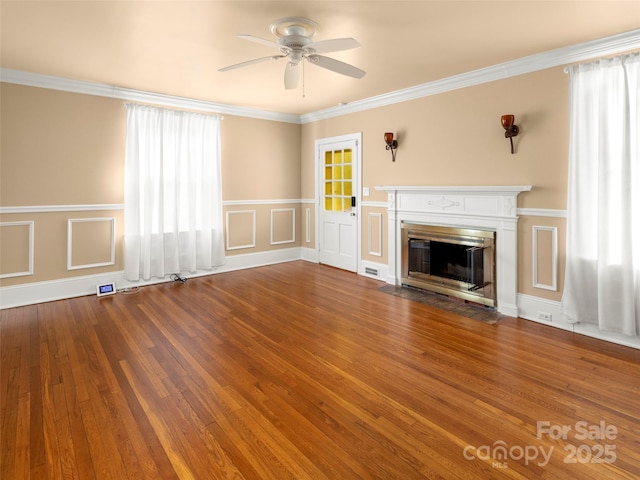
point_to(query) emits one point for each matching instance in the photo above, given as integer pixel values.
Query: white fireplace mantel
(486, 207)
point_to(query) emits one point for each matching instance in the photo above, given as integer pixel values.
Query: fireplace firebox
(453, 261)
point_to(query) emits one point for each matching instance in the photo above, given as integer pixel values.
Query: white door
(338, 231)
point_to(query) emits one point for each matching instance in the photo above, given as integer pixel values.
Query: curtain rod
(623, 56)
(127, 104)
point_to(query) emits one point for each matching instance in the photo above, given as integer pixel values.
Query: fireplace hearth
(459, 262)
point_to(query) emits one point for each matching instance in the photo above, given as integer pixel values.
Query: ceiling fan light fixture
(294, 43)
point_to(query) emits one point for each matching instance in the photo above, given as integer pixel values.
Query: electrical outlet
(545, 316)
(365, 191)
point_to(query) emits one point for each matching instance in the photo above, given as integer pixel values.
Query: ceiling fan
(295, 44)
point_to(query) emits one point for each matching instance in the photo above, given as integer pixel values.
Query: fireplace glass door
(453, 261)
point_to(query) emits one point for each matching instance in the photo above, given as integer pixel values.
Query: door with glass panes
(338, 220)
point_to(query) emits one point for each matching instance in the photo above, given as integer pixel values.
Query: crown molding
(611, 45)
(90, 88)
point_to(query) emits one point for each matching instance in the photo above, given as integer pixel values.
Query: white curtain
(602, 281)
(173, 194)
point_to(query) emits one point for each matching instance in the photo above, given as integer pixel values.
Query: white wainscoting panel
(307, 225)
(230, 214)
(30, 226)
(112, 242)
(554, 258)
(277, 216)
(375, 234)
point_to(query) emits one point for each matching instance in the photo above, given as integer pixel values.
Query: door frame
(357, 189)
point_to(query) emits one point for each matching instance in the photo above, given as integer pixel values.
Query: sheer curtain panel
(173, 194)
(602, 280)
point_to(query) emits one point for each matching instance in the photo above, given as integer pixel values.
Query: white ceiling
(177, 47)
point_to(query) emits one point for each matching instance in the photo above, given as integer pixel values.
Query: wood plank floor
(300, 371)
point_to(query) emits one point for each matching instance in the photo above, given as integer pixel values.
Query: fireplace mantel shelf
(469, 189)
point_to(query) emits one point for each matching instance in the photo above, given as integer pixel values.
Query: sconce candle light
(510, 130)
(391, 144)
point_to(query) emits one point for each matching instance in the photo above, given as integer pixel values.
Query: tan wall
(260, 159)
(456, 138)
(61, 149)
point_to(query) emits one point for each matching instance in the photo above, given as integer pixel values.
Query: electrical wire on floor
(130, 290)
(176, 277)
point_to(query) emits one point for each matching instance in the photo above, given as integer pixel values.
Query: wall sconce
(391, 144)
(510, 130)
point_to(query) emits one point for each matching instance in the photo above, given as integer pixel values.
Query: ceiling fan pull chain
(303, 94)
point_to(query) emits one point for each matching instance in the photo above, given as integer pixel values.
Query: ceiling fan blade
(334, 45)
(250, 62)
(336, 66)
(291, 75)
(262, 41)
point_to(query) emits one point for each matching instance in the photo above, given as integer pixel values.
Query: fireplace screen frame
(477, 242)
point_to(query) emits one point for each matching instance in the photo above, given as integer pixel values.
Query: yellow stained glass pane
(337, 173)
(328, 203)
(347, 156)
(337, 188)
(327, 158)
(328, 175)
(327, 188)
(337, 204)
(337, 156)
(347, 172)
(347, 189)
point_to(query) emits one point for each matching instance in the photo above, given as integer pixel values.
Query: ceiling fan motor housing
(291, 26)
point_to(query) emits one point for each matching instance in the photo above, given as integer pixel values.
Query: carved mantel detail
(443, 203)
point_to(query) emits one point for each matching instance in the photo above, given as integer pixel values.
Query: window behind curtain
(602, 280)
(173, 193)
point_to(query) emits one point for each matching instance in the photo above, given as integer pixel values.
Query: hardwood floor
(300, 371)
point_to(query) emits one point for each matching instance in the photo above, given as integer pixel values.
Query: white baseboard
(309, 254)
(48, 291)
(530, 307)
(379, 271)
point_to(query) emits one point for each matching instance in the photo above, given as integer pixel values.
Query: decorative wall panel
(16, 249)
(375, 234)
(241, 229)
(283, 226)
(91, 242)
(307, 225)
(545, 246)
